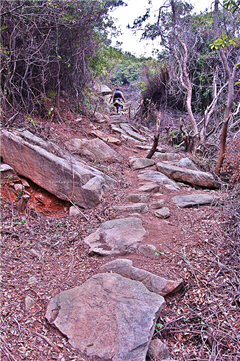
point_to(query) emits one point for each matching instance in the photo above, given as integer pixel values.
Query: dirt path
(43, 253)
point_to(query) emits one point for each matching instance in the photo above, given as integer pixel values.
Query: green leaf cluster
(223, 41)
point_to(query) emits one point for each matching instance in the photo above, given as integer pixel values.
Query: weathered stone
(106, 137)
(162, 157)
(115, 128)
(29, 302)
(128, 138)
(140, 163)
(136, 207)
(157, 204)
(153, 282)
(119, 236)
(158, 350)
(74, 211)
(163, 213)
(159, 178)
(192, 200)
(199, 178)
(94, 149)
(149, 188)
(18, 187)
(67, 178)
(6, 169)
(133, 134)
(25, 183)
(138, 198)
(148, 250)
(187, 163)
(108, 316)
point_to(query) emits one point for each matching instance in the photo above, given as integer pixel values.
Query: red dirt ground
(43, 253)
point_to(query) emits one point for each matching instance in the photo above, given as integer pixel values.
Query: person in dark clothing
(118, 98)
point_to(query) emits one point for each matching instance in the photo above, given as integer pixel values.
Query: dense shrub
(47, 47)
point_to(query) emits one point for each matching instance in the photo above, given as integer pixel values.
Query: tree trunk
(184, 78)
(222, 146)
(156, 136)
(154, 147)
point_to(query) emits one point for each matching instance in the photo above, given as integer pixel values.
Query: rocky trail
(106, 272)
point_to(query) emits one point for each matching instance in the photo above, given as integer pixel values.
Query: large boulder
(94, 149)
(180, 174)
(159, 178)
(118, 236)
(140, 163)
(108, 317)
(187, 163)
(193, 200)
(63, 176)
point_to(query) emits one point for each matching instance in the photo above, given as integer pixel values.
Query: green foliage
(232, 5)
(131, 70)
(223, 41)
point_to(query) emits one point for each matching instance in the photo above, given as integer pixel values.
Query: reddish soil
(43, 253)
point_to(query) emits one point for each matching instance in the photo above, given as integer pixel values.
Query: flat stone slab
(115, 128)
(109, 317)
(192, 200)
(140, 163)
(94, 149)
(149, 188)
(167, 156)
(190, 176)
(136, 207)
(119, 236)
(159, 178)
(106, 137)
(153, 282)
(157, 204)
(128, 129)
(138, 198)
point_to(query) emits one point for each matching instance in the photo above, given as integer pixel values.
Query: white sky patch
(125, 15)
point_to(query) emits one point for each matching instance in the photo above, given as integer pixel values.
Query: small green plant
(20, 193)
(9, 176)
(158, 326)
(50, 111)
(58, 223)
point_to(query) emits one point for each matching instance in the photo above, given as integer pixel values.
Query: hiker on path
(118, 98)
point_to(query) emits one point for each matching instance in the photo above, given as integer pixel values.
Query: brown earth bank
(43, 253)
